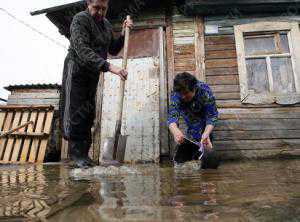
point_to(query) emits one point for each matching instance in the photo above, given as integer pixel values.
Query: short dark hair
(184, 82)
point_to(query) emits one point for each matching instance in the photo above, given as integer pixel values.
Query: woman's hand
(205, 140)
(122, 73)
(177, 134)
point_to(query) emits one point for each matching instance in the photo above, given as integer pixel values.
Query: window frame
(293, 34)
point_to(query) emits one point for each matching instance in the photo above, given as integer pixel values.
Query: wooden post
(170, 54)
(163, 100)
(200, 49)
(97, 127)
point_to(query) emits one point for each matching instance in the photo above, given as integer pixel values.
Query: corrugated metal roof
(33, 86)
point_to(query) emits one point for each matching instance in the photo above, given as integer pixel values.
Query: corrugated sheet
(33, 86)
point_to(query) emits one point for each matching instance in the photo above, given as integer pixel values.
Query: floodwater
(266, 190)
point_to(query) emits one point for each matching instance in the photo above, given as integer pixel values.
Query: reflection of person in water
(195, 102)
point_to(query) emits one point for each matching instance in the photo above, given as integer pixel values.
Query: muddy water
(248, 191)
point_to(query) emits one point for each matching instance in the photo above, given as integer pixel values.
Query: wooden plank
(219, 40)
(184, 49)
(258, 124)
(221, 63)
(223, 80)
(36, 142)
(40, 95)
(30, 129)
(44, 142)
(53, 102)
(18, 142)
(219, 47)
(221, 54)
(221, 71)
(199, 49)
(170, 54)
(257, 144)
(163, 97)
(258, 154)
(222, 21)
(228, 95)
(6, 127)
(97, 125)
(225, 88)
(257, 134)
(238, 104)
(9, 146)
(2, 118)
(260, 113)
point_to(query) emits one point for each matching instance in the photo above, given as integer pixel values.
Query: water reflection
(257, 191)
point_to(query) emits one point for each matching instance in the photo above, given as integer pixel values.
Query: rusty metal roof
(32, 86)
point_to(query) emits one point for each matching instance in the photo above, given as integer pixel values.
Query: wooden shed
(247, 51)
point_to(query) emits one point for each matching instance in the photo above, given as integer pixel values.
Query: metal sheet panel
(141, 114)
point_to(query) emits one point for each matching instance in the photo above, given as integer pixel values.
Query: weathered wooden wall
(243, 130)
(34, 97)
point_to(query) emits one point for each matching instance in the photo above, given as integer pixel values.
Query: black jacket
(91, 41)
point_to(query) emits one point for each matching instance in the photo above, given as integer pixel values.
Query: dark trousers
(77, 101)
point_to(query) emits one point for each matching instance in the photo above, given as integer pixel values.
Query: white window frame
(293, 33)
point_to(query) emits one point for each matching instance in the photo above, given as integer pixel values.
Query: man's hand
(178, 135)
(205, 140)
(118, 71)
(127, 23)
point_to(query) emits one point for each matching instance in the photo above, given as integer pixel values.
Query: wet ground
(248, 191)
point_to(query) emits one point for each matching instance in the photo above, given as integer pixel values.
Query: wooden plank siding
(245, 130)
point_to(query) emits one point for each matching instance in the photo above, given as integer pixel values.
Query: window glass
(257, 75)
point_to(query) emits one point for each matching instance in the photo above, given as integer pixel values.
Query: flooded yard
(266, 190)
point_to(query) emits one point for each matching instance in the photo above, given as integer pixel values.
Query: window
(269, 62)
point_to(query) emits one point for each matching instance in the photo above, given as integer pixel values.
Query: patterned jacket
(198, 113)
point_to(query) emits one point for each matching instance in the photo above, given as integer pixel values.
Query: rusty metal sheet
(142, 43)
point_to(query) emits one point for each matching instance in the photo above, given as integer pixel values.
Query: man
(90, 42)
(195, 102)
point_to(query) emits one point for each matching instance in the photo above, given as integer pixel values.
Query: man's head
(98, 8)
(185, 84)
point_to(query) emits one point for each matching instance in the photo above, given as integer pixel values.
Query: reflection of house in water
(247, 51)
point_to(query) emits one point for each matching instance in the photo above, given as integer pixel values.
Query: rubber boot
(86, 157)
(77, 153)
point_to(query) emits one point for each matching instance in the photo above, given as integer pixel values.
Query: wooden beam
(170, 54)
(200, 48)
(163, 100)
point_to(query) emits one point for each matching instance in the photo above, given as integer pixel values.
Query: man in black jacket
(90, 42)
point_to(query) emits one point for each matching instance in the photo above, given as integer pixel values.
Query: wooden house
(247, 51)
